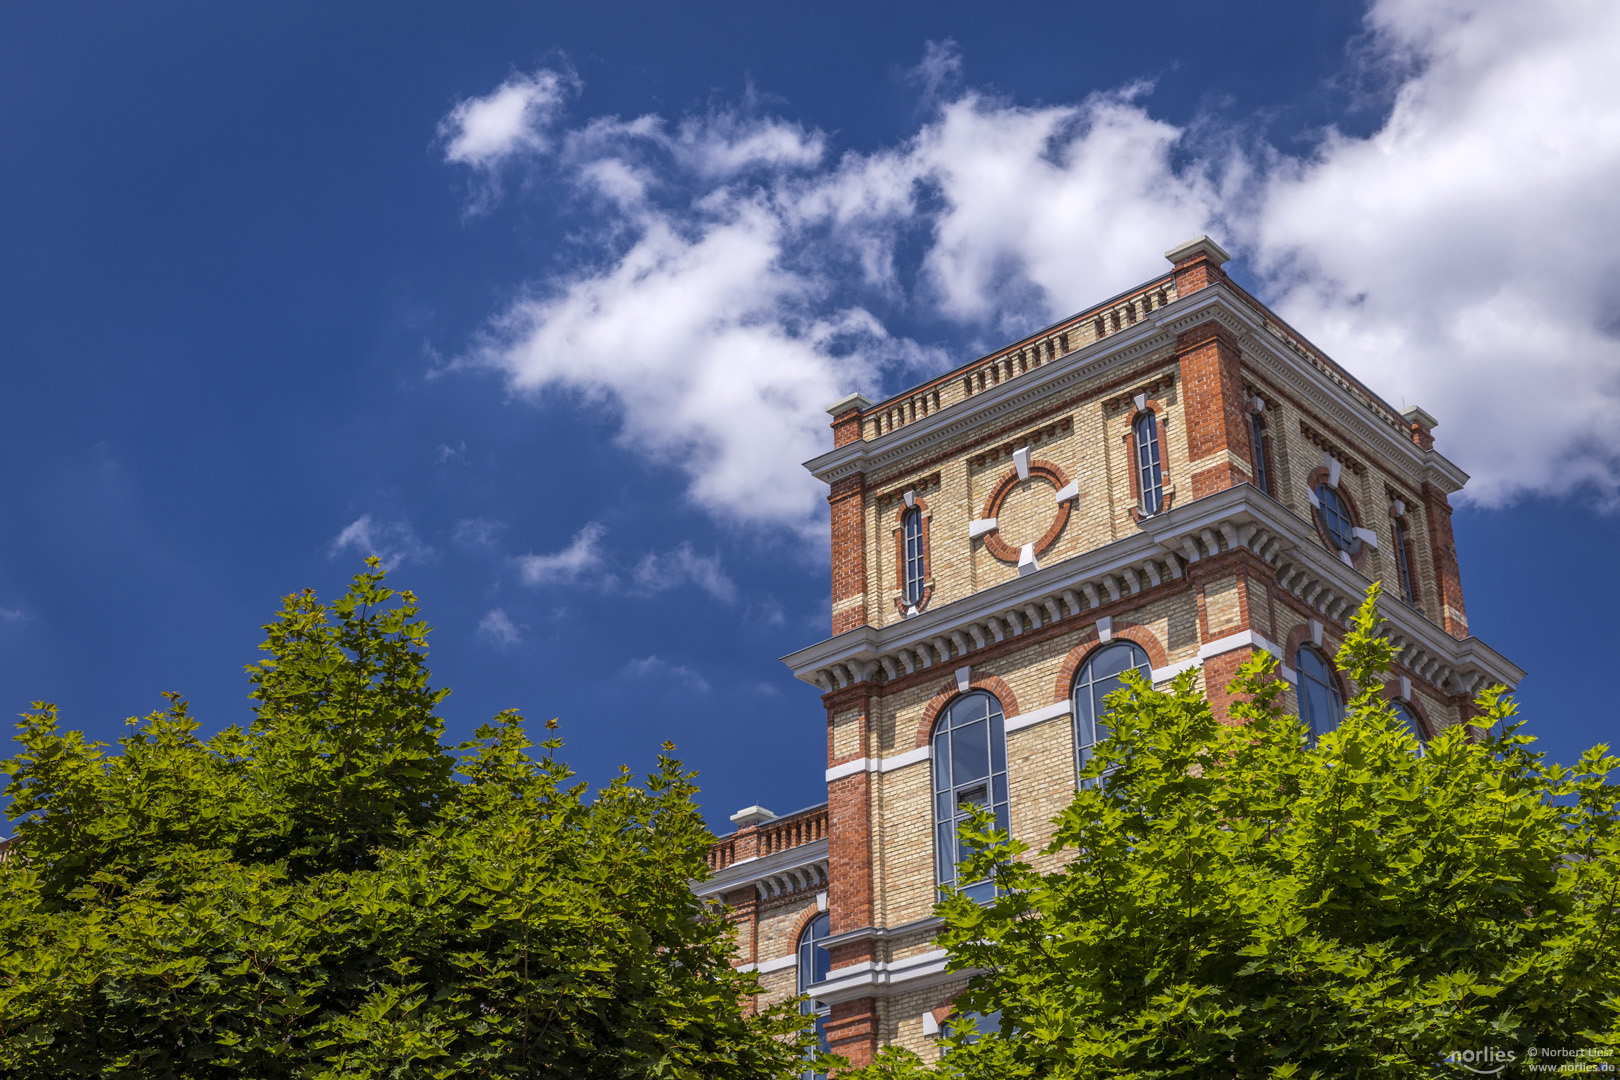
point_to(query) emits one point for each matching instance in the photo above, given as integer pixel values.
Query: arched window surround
(1392, 693)
(1167, 488)
(952, 786)
(993, 685)
(1400, 531)
(1320, 476)
(1262, 463)
(901, 603)
(1089, 643)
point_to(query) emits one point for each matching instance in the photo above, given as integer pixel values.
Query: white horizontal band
(1038, 716)
(880, 765)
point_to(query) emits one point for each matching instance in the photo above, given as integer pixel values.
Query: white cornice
(1238, 517)
(746, 872)
(1100, 358)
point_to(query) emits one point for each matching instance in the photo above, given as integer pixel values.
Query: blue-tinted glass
(1401, 563)
(942, 761)
(999, 786)
(1403, 713)
(1111, 660)
(1257, 448)
(1147, 463)
(945, 839)
(970, 753)
(914, 567)
(943, 806)
(998, 744)
(982, 891)
(1319, 703)
(1336, 517)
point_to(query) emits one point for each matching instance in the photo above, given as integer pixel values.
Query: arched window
(814, 963)
(1100, 676)
(1408, 716)
(912, 527)
(1321, 705)
(1403, 564)
(1149, 476)
(974, 1025)
(1336, 517)
(970, 770)
(1257, 448)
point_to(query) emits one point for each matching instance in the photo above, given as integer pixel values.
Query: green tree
(322, 895)
(1235, 902)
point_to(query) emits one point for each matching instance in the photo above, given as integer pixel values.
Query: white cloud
(580, 557)
(456, 454)
(1458, 257)
(11, 615)
(656, 573)
(393, 542)
(1463, 256)
(652, 667)
(477, 532)
(498, 627)
(482, 132)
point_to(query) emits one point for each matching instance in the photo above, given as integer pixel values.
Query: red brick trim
(1443, 550)
(991, 684)
(900, 555)
(804, 922)
(1319, 476)
(848, 551)
(1038, 470)
(1090, 643)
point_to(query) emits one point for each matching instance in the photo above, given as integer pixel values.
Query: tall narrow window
(1408, 718)
(1149, 475)
(1321, 706)
(914, 556)
(1336, 517)
(1257, 447)
(1099, 677)
(970, 770)
(1403, 564)
(814, 963)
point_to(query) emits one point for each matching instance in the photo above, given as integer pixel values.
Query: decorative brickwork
(848, 555)
(1454, 614)
(1090, 643)
(994, 507)
(948, 692)
(927, 520)
(1217, 424)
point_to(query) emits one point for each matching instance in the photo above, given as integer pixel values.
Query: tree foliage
(333, 892)
(1234, 902)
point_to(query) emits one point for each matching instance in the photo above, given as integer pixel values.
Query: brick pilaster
(1217, 430)
(852, 1031)
(1448, 576)
(848, 553)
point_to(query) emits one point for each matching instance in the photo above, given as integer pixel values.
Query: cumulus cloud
(394, 542)
(656, 573)
(579, 558)
(499, 628)
(653, 667)
(483, 132)
(741, 276)
(1463, 256)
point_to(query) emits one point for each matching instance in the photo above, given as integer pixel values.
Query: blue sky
(544, 303)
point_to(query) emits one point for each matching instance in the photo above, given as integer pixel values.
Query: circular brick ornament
(1043, 471)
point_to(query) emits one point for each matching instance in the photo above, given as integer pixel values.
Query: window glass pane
(945, 843)
(999, 786)
(942, 761)
(1111, 660)
(998, 744)
(970, 753)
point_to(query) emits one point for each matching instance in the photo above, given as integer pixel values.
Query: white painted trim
(1037, 716)
(1026, 560)
(1165, 674)
(1333, 467)
(1288, 674)
(1021, 462)
(978, 528)
(765, 967)
(858, 980)
(1406, 688)
(1105, 628)
(880, 765)
(1367, 536)
(964, 678)
(911, 499)
(1316, 629)
(930, 1025)
(1071, 490)
(1241, 639)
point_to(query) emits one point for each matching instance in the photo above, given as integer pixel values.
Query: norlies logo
(1487, 1062)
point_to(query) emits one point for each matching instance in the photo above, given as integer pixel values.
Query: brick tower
(1173, 479)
